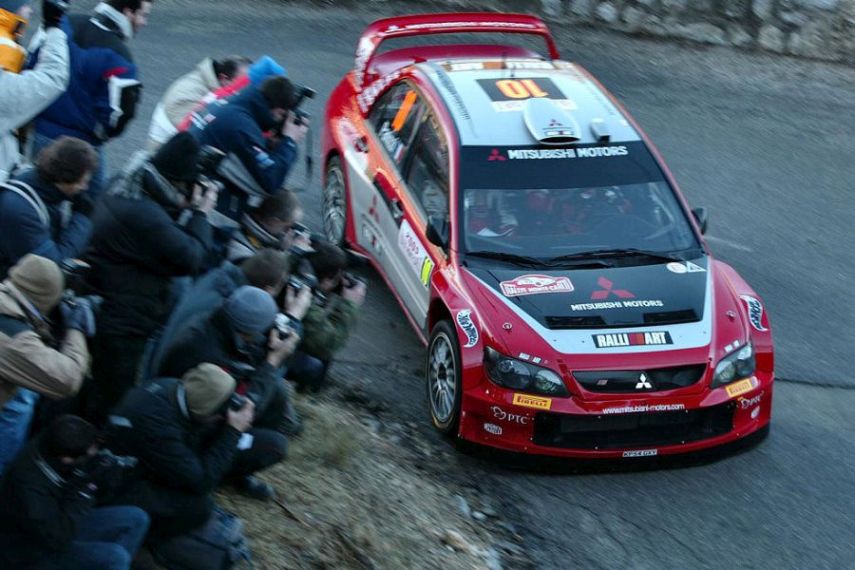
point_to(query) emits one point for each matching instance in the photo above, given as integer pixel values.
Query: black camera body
(302, 93)
(208, 165)
(110, 459)
(282, 324)
(236, 402)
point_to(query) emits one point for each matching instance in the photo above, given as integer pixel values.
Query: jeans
(307, 371)
(107, 539)
(96, 186)
(15, 418)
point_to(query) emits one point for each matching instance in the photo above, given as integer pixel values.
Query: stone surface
(582, 8)
(817, 4)
(607, 12)
(738, 36)
(794, 18)
(737, 9)
(771, 38)
(702, 32)
(552, 8)
(762, 9)
(632, 17)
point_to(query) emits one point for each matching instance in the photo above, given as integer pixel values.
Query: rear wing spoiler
(449, 23)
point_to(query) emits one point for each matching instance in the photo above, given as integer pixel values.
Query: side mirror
(437, 231)
(701, 217)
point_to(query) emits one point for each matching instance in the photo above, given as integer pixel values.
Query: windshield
(532, 208)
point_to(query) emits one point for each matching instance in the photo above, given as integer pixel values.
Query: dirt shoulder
(355, 494)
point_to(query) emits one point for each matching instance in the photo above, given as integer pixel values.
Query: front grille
(670, 317)
(625, 381)
(562, 323)
(597, 322)
(621, 431)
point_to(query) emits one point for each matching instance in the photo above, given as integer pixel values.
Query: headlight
(520, 375)
(739, 364)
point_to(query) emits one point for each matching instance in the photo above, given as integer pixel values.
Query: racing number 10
(520, 88)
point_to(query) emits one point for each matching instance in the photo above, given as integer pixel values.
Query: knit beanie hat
(207, 388)
(265, 67)
(177, 158)
(250, 310)
(12, 5)
(40, 280)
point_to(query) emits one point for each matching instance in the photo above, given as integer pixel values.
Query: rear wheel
(444, 378)
(334, 203)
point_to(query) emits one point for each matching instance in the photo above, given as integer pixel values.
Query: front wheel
(334, 203)
(444, 378)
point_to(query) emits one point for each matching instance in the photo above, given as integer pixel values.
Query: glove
(78, 314)
(53, 11)
(82, 204)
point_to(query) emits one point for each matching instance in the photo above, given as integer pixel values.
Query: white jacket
(24, 95)
(180, 98)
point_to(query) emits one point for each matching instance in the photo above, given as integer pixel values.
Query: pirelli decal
(618, 340)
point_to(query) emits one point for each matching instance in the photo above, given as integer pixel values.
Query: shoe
(254, 488)
(290, 425)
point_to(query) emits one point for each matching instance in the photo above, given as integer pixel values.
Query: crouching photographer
(331, 318)
(38, 356)
(190, 435)
(48, 517)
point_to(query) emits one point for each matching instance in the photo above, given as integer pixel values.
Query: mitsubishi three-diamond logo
(643, 382)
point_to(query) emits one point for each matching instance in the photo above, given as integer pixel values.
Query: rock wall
(822, 29)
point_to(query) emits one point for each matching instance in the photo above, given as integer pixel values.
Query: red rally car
(540, 247)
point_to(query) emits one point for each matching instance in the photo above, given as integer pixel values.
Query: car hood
(593, 310)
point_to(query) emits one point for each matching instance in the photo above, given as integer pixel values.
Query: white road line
(728, 243)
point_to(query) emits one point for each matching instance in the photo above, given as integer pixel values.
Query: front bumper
(614, 428)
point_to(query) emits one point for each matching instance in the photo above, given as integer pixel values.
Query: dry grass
(352, 500)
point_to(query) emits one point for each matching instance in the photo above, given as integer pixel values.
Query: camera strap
(30, 196)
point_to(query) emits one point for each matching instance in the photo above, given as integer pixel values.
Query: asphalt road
(766, 144)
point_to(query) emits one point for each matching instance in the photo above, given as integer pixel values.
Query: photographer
(137, 248)
(330, 319)
(236, 127)
(44, 210)
(25, 94)
(187, 435)
(34, 359)
(47, 513)
(241, 338)
(271, 225)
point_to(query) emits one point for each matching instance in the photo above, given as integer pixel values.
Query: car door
(425, 193)
(379, 207)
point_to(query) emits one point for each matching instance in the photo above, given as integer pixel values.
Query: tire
(334, 202)
(443, 378)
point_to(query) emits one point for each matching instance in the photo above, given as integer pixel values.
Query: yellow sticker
(427, 269)
(532, 402)
(739, 388)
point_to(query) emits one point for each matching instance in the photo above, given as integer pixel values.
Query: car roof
(485, 116)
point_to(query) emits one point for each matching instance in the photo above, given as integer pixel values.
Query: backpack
(217, 545)
(30, 196)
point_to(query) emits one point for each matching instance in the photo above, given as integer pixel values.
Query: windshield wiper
(621, 253)
(509, 257)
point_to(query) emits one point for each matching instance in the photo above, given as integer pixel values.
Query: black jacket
(39, 512)
(211, 339)
(135, 251)
(181, 461)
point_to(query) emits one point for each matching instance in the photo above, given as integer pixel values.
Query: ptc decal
(464, 321)
(534, 284)
(755, 312)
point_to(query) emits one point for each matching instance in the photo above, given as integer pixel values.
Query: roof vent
(600, 130)
(550, 124)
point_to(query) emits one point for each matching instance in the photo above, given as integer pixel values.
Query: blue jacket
(22, 230)
(103, 90)
(236, 126)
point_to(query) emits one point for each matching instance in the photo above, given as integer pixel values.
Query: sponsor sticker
(647, 408)
(616, 340)
(521, 88)
(641, 453)
(557, 153)
(745, 403)
(535, 284)
(687, 267)
(511, 106)
(755, 312)
(505, 416)
(739, 388)
(416, 255)
(508, 64)
(602, 306)
(464, 321)
(608, 289)
(535, 402)
(493, 429)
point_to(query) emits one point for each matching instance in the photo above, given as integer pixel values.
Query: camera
(348, 281)
(69, 298)
(236, 402)
(282, 324)
(208, 165)
(303, 276)
(109, 459)
(302, 93)
(74, 270)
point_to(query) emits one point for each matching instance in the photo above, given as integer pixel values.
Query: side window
(427, 171)
(395, 117)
